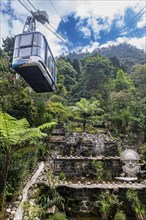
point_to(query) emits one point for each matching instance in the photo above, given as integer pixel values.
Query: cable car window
(34, 50)
(44, 44)
(49, 62)
(53, 69)
(17, 39)
(55, 76)
(16, 53)
(35, 40)
(48, 59)
(41, 53)
(25, 52)
(41, 41)
(26, 40)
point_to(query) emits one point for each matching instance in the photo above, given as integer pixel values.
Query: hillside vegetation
(92, 93)
(127, 55)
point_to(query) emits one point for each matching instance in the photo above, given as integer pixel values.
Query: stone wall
(74, 155)
(82, 199)
(85, 145)
(84, 166)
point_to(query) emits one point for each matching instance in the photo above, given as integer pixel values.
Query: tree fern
(15, 135)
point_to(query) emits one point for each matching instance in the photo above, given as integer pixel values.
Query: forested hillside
(127, 54)
(92, 93)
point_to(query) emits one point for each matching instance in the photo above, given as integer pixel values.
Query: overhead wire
(62, 38)
(45, 25)
(32, 5)
(56, 34)
(134, 19)
(55, 10)
(62, 19)
(26, 4)
(134, 34)
(137, 4)
(22, 3)
(130, 25)
(134, 8)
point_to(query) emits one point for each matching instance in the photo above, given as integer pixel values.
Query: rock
(13, 212)
(20, 198)
(8, 210)
(17, 202)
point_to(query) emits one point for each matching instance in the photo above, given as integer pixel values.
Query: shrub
(62, 176)
(59, 216)
(120, 216)
(99, 170)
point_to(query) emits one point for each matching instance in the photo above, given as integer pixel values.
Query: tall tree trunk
(145, 135)
(4, 180)
(84, 125)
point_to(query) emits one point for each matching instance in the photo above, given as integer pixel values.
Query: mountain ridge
(127, 54)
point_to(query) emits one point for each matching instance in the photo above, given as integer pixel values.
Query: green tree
(116, 63)
(58, 111)
(137, 206)
(139, 75)
(69, 74)
(15, 97)
(15, 135)
(85, 109)
(96, 73)
(76, 65)
(121, 82)
(121, 102)
(107, 201)
(8, 45)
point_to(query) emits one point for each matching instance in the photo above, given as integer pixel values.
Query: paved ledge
(105, 185)
(59, 157)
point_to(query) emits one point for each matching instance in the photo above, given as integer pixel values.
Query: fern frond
(47, 126)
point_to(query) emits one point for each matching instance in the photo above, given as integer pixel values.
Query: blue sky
(86, 25)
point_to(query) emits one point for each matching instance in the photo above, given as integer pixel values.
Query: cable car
(34, 61)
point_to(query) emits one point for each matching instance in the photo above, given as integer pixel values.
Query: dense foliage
(93, 92)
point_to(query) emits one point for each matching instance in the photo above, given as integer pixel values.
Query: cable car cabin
(33, 60)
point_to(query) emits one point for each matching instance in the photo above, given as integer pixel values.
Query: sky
(84, 25)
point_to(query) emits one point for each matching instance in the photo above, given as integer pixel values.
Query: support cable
(134, 34)
(45, 25)
(32, 5)
(132, 21)
(68, 27)
(24, 6)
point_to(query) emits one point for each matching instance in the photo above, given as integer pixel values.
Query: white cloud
(91, 47)
(139, 42)
(142, 23)
(99, 8)
(84, 9)
(4, 27)
(94, 25)
(86, 31)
